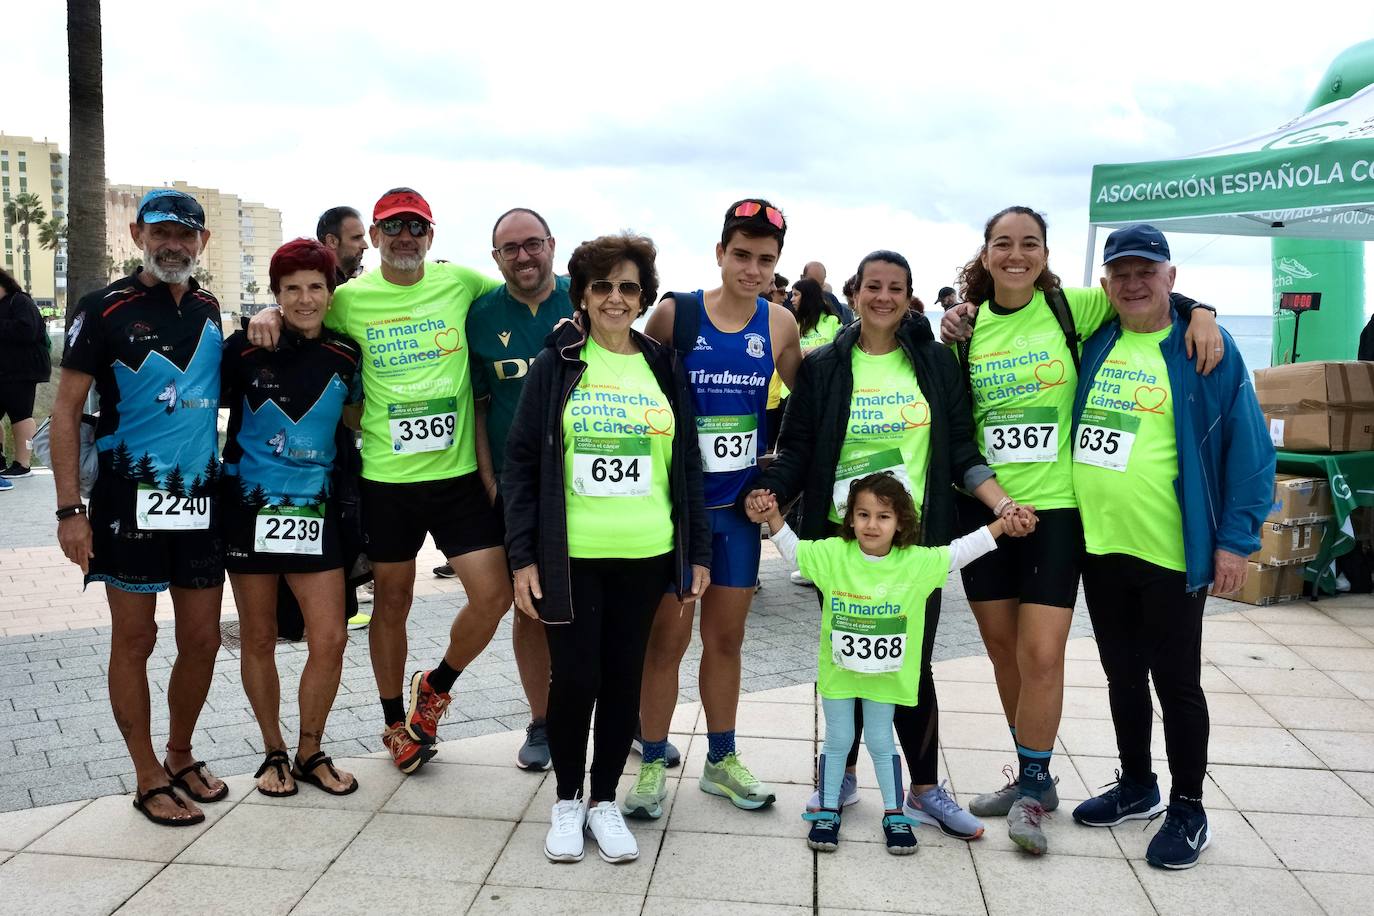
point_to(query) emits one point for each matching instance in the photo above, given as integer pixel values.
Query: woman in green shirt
(604, 511)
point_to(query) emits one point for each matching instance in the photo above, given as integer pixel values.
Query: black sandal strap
(160, 790)
(316, 759)
(180, 775)
(275, 759)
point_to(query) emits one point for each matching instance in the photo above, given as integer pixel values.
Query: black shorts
(1041, 568)
(239, 527)
(16, 400)
(456, 511)
(136, 560)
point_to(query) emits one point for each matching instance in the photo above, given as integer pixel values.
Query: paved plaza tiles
(1290, 790)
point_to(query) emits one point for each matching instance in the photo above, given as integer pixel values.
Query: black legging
(1147, 626)
(918, 727)
(598, 660)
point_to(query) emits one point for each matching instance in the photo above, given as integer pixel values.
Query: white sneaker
(563, 843)
(614, 840)
(798, 579)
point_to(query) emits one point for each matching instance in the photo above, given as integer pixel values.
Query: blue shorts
(735, 549)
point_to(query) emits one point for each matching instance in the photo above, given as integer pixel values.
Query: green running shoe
(731, 779)
(645, 799)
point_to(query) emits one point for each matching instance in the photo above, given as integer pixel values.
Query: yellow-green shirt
(1126, 456)
(1023, 381)
(617, 454)
(888, 428)
(417, 388)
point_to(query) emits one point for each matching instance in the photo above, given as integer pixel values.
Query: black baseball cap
(1139, 241)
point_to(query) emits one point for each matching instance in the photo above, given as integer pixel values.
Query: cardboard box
(1320, 406)
(1269, 585)
(1284, 544)
(1299, 499)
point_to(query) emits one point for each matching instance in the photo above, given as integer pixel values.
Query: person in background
(24, 362)
(946, 298)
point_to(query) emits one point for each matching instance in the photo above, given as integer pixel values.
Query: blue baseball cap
(1139, 241)
(163, 204)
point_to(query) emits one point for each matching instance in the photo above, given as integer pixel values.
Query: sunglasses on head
(629, 289)
(752, 207)
(417, 227)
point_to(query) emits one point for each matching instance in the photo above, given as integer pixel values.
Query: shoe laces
(535, 733)
(396, 739)
(1011, 777)
(1175, 821)
(433, 705)
(939, 799)
(737, 771)
(649, 776)
(1032, 811)
(608, 816)
(822, 818)
(565, 815)
(897, 823)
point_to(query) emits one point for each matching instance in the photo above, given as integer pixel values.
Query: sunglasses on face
(752, 207)
(629, 289)
(510, 251)
(393, 227)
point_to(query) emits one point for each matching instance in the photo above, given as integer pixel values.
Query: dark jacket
(532, 480)
(24, 353)
(1225, 456)
(813, 430)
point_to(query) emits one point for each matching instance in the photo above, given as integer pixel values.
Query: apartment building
(30, 166)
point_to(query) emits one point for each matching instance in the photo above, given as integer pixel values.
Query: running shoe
(998, 804)
(614, 841)
(1126, 800)
(935, 806)
(534, 753)
(825, 830)
(651, 787)
(563, 842)
(407, 753)
(16, 471)
(425, 709)
(899, 833)
(849, 793)
(1182, 838)
(5, 485)
(1023, 825)
(359, 621)
(444, 572)
(366, 592)
(672, 756)
(731, 779)
(798, 579)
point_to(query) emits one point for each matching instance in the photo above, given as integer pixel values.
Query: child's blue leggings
(839, 737)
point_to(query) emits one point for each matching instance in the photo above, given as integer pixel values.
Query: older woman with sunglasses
(604, 510)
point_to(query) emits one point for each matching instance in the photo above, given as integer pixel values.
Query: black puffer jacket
(532, 480)
(813, 430)
(23, 341)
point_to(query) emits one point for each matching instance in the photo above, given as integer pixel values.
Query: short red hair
(303, 254)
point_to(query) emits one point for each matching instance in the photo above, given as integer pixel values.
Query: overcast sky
(871, 124)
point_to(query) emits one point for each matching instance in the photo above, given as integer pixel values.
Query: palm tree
(52, 235)
(86, 265)
(25, 210)
(204, 277)
(252, 290)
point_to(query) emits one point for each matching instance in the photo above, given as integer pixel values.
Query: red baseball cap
(402, 200)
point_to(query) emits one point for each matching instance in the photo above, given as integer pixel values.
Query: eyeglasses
(511, 251)
(392, 227)
(629, 289)
(752, 207)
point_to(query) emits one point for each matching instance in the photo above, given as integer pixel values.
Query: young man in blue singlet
(740, 338)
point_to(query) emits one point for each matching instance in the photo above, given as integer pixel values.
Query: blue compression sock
(722, 745)
(1035, 777)
(654, 750)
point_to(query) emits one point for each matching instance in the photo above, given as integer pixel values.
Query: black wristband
(67, 512)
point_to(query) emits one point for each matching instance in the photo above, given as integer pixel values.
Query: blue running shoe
(935, 806)
(825, 830)
(1182, 838)
(849, 793)
(5, 485)
(1126, 800)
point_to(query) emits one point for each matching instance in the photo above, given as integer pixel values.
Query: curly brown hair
(595, 259)
(890, 491)
(975, 283)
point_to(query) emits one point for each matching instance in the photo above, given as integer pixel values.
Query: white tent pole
(1088, 258)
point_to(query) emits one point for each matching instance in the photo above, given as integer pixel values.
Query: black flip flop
(179, 780)
(141, 798)
(276, 760)
(305, 772)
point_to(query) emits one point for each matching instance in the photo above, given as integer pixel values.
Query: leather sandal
(179, 780)
(141, 804)
(276, 760)
(305, 772)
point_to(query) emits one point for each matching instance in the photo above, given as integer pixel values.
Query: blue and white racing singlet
(729, 376)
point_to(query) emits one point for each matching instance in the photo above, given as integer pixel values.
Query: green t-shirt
(1023, 381)
(824, 332)
(617, 453)
(1125, 457)
(417, 415)
(888, 428)
(504, 337)
(873, 614)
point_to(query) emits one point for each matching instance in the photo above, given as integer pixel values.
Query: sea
(1254, 335)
